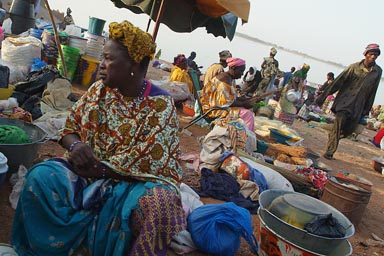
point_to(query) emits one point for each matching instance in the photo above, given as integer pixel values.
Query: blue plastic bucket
(96, 26)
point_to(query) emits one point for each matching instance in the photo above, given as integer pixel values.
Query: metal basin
(271, 243)
(26, 153)
(300, 237)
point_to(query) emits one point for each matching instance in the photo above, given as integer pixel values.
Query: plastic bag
(16, 73)
(7, 24)
(274, 179)
(217, 228)
(18, 181)
(247, 171)
(325, 225)
(234, 166)
(37, 65)
(21, 51)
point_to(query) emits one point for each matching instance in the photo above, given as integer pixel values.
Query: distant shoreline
(304, 55)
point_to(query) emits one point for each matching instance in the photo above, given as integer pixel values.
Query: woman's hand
(84, 161)
(248, 104)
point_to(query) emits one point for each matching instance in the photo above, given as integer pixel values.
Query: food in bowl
(318, 244)
(296, 209)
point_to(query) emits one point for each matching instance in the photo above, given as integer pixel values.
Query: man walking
(356, 87)
(269, 70)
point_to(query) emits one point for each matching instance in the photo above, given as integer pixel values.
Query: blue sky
(328, 29)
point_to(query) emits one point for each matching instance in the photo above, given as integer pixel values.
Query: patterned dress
(62, 213)
(220, 94)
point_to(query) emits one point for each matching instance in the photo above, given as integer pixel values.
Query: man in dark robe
(356, 87)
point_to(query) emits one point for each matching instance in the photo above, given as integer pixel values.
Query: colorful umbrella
(219, 17)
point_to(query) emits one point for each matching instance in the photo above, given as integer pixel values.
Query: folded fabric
(10, 134)
(249, 189)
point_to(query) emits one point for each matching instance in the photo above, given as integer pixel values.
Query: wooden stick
(262, 96)
(150, 15)
(57, 39)
(158, 19)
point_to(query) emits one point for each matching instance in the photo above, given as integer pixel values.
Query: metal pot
(292, 95)
(26, 153)
(299, 237)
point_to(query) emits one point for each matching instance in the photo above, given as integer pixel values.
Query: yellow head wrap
(139, 43)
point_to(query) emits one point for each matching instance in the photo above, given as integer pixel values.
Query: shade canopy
(219, 17)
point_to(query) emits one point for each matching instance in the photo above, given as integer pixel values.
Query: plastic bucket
(71, 56)
(95, 45)
(21, 24)
(26, 153)
(96, 26)
(88, 70)
(348, 198)
(92, 37)
(94, 49)
(22, 8)
(49, 52)
(22, 15)
(78, 42)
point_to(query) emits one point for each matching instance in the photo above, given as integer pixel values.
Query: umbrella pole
(148, 24)
(150, 15)
(158, 18)
(57, 40)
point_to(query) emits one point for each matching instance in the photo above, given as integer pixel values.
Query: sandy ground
(352, 156)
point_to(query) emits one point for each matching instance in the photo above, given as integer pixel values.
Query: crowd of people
(348, 98)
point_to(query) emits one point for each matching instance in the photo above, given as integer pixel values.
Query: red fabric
(211, 8)
(235, 62)
(379, 135)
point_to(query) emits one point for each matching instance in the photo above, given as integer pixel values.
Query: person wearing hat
(356, 87)
(269, 70)
(217, 68)
(179, 72)
(221, 92)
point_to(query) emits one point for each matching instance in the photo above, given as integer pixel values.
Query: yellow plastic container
(89, 68)
(5, 93)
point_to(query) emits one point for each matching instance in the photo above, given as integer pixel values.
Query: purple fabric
(157, 91)
(146, 223)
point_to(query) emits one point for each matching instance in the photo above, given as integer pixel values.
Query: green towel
(10, 134)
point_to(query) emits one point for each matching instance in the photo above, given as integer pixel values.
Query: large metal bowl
(268, 238)
(300, 237)
(26, 153)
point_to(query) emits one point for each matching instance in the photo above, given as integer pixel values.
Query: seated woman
(116, 192)
(220, 91)
(179, 72)
(251, 81)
